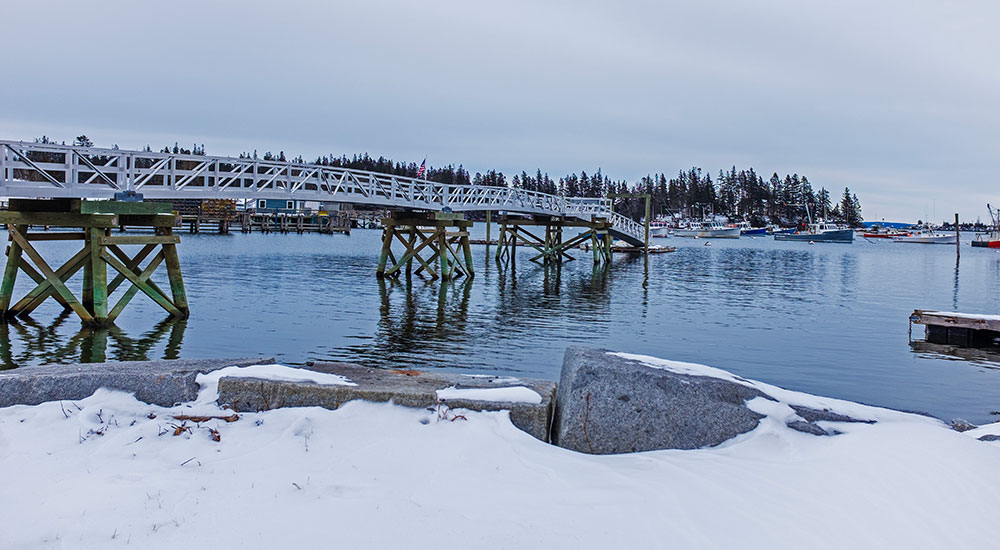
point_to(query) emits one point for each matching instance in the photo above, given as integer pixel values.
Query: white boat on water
(927, 236)
(709, 230)
(659, 228)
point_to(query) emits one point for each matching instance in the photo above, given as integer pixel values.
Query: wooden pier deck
(960, 329)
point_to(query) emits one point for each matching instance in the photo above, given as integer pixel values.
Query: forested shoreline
(739, 194)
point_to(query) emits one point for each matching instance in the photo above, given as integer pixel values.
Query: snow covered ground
(109, 471)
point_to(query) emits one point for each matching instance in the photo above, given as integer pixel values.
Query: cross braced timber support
(442, 236)
(100, 250)
(544, 234)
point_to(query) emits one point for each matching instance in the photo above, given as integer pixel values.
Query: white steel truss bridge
(44, 170)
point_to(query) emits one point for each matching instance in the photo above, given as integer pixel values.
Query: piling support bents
(550, 246)
(429, 231)
(95, 220)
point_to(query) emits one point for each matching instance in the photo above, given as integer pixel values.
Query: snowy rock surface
(529, 401)
(161, 383)
(109, 471)
(617, 403)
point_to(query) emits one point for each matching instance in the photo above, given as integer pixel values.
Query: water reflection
(954, 295)
(503, 310)
(988, 358)
(24, 341)
(415, 314)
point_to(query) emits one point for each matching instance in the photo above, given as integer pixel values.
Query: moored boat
(926, 236)
(990, 239)
(877, 232)
(819, 232)
(747, 229)
(987, 240)
(777, 229)
(709, 230)
(659, 228)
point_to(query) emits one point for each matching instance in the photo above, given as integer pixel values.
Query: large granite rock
(161, 383)
(402, 387)
(607, 404)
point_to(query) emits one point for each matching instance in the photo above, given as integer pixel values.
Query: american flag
(423, 168)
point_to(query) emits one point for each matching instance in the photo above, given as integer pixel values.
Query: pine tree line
(739, 195)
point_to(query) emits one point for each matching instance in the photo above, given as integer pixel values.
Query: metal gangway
(45, 170)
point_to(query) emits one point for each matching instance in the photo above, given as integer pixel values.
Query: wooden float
(959, 329)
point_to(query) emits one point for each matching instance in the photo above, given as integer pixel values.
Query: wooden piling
(958, 238)
(488, 213)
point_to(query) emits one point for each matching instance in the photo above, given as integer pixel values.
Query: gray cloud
(895, 99)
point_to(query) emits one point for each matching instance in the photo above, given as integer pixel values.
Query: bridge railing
(45, 170)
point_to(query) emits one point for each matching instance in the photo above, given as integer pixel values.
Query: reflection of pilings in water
(954, 296)
(552, 279)
(599, 278)
(43, 342)
(410, 325)
(88, 345)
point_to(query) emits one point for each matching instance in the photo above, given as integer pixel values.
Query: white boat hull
(725, 233)
(926, 239)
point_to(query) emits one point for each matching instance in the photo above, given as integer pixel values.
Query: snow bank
(786, 397)
(109, 472)
(985, 431)
(509, 394)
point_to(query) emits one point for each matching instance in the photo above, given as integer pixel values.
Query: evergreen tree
(850, 209)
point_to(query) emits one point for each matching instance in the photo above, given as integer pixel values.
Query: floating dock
(972, 330)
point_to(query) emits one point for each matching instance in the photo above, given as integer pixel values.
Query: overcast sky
(896, 99)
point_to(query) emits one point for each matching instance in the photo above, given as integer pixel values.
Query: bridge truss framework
(45, 170)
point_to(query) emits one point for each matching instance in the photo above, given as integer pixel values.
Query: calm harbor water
(829, 319)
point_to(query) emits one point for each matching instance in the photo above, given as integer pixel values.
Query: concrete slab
(408, 388)
(158, 382)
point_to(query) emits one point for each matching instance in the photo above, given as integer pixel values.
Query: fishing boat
(987, 240)
(990, 239)
(821, 232)
(777, 229)
(659, 228)
(709, 230)
(747, 229)
(927, 236)
(878, 232)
